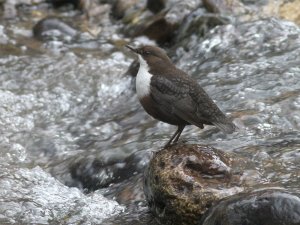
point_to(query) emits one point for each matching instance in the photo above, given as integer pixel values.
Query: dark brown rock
(156, 6)
(10, 8)
(120, 7)
(162, 26)
(264, 207)
(157, 28)
(59, 3)
(183, 181)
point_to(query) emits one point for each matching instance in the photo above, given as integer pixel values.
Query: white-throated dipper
(170, 95)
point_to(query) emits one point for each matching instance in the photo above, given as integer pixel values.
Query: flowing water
(66, 101)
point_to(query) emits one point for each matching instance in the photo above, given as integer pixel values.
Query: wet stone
(160, 27)
(156, 28)
(120, 7)
(199, 22)
(276, 207)
(91, 173)
(52, 29)
(10, 7)
(33, 196)
(183, 181)
(156, 5)
(224, 6)
(129, 192)
(291, 11)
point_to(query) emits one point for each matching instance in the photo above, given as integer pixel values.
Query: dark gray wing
(187, 100)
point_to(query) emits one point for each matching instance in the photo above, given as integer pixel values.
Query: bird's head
(150, 55)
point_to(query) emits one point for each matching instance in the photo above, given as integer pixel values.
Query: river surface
(63, 101)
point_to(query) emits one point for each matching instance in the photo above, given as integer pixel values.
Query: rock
(291, 11)
(183, 181)
(224, 6)
(229, 44)
(91, 173)
(157, 28)
(160, 27)
(120, 7)
(263, 207)
(287, 10)
(59, 3)
(156, 6)
(199, 22)
(52, 28)
(127, 10)
(96, 13)
(10, 7)
(127, 192)
(44, 194)
(9, 10)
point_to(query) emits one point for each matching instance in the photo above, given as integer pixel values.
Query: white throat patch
(143, 79)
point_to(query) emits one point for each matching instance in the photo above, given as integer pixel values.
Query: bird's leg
(175, 136)
(172, 138)
(179, 131)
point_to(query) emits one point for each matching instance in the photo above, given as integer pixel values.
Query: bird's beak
(132, 49)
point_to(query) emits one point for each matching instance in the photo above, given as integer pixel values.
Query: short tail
(227, 127)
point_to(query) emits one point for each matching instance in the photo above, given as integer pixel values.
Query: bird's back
(189, 100)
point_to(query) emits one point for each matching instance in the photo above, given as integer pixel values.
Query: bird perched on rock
(171, 96)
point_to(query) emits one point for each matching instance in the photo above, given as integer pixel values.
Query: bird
(170, 95)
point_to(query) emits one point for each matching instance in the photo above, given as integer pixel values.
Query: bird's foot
(170, 144)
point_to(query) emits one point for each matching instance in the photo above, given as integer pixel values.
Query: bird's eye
(146, 53)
